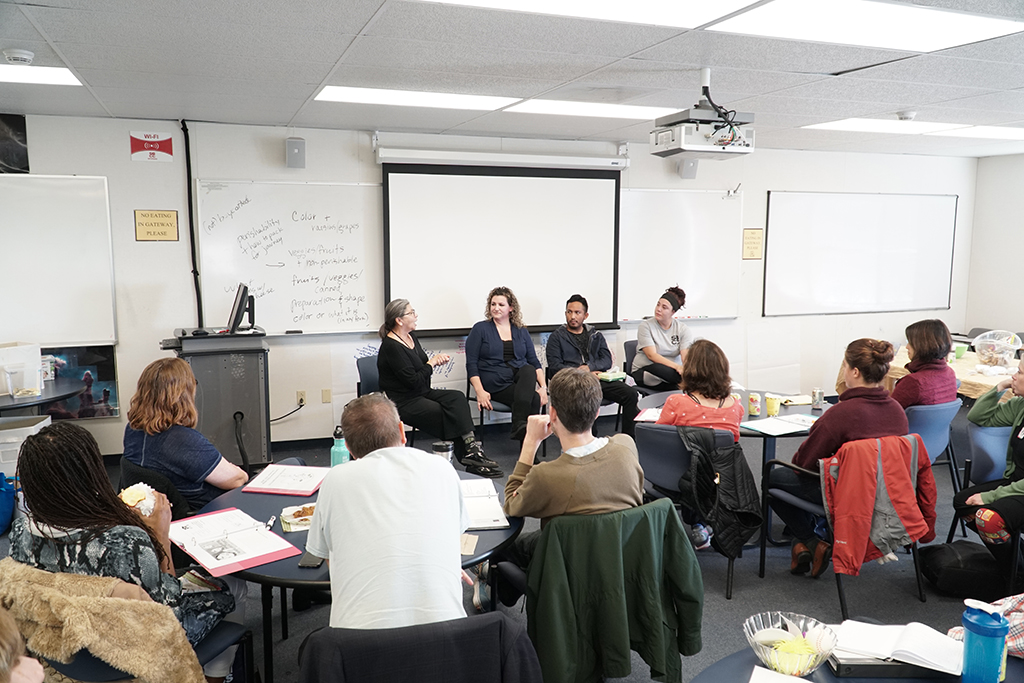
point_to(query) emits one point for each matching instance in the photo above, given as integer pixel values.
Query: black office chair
(86, 667)
(488, 647)
(369, 382)
(136, 474)
(664, 459)
(629, 351)
(499, 407)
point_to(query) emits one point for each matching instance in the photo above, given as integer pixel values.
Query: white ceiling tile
(414, 79)
(967, 73)
(1006, 101)
(188, 83)
(375, 117)
(517, 30)
(978, 117)
(670, 75)
(893, 92)
(56, 100)
(1009, 9)
(708, 48)
(1005, 49)
(831, 109)
(473, 59)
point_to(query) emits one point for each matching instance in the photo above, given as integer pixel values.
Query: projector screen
(452, 233)
(857, 253)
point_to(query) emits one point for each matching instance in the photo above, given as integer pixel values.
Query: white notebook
(483, 505)
(913, 643)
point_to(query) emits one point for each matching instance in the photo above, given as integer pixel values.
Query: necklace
(397, 337)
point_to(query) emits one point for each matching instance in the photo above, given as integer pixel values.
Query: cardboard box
(13, 432)
(25, 361)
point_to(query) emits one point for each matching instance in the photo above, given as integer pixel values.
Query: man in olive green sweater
(591, 476)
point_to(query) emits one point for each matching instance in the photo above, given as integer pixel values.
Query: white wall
(994, 299)
(154, 285)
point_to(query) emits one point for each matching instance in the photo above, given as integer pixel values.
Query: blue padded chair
(369, 383)
(933, 424)
(89, 669)
(988, 450)
(664, 459)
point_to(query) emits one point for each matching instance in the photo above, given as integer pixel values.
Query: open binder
(228, 541)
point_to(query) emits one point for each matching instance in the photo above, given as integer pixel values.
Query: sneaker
(483, 570)
(481, 595)
(700, 536)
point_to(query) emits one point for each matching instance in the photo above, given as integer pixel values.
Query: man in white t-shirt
(390, 524)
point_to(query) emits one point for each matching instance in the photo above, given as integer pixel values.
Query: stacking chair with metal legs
(987, 463)
(933, 424)
(818, 510)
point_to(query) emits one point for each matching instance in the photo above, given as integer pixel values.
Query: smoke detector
(906, 115)
(23, 57)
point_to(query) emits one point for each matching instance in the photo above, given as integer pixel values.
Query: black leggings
(1010, 508)
(521, 395)
(663, 372)
(442, 413)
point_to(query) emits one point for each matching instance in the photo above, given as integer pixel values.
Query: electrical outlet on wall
(325, 395)
(300, 397)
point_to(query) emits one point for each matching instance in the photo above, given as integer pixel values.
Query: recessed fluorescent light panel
(868, 23)
(413, 98)
(595, 109)
(674, 13)
(885, 126)
(40, 75)
(985, 132)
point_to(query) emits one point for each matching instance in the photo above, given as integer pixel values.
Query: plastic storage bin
(13, 432)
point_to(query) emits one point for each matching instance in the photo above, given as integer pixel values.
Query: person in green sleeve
(995, 509)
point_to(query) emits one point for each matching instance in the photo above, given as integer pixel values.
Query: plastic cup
(772, 405)
(961, 349)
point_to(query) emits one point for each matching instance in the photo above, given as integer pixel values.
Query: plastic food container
(997, 347)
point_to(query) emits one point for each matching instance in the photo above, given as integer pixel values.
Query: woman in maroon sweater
(931, 380)
(864, 411)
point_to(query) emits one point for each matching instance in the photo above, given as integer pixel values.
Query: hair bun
(882, 350)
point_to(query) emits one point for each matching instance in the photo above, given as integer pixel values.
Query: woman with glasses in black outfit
(405, 373)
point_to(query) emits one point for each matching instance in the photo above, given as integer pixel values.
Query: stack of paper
(288, 480)
(777, 426)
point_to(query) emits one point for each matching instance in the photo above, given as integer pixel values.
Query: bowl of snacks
(997, 347)
(789, 643)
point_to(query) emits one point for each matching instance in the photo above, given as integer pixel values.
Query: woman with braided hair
(77, 524)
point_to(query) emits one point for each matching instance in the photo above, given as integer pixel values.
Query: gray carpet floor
(885, 593)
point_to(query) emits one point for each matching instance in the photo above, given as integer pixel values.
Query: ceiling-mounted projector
(707, 131)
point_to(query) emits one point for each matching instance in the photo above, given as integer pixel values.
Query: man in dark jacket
(578, 345)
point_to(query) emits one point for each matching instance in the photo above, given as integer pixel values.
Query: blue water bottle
(984, 646)
(339, 451)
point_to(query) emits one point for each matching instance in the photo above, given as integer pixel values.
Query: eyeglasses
(412, 312)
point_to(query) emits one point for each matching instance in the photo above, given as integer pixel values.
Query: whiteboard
(309, 252)
(454, 233)
(857, 253)
(692, 238)
(57, 263)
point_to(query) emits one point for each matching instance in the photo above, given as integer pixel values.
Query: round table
(767, 440)
(739, 665)
(287, 573)
(55, 390)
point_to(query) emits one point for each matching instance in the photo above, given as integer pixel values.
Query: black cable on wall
(192, 226)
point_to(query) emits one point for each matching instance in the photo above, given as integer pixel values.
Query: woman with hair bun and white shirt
(661, 345)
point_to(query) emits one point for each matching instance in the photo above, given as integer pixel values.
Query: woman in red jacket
(865, 411)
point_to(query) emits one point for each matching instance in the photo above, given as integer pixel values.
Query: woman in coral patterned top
(706, 401)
